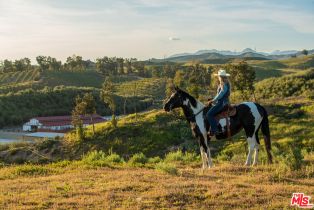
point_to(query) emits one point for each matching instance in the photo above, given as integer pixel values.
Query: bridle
(180, 100)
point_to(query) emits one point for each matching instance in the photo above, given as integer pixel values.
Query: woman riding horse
(219, 101)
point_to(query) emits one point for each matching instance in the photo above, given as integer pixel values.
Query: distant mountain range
(223, 56)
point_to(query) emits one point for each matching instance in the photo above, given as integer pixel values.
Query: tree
(304, 52)
(120, 65)
(156, 71)
(179, 78)
(54, 65)
(242, 79)
(49, 63)
(140, 68)
(76, 117)
(42, 62)
(106, 66)
(83, 106)
(90, 108)
(18, 65)
(7, 66)
(128, 65)
(169, 70)
(169, 87)
(75, 63)
(199, 79)
(107, 95)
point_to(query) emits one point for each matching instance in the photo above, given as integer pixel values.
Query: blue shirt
(222, 94)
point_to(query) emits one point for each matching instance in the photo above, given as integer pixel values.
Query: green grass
(150, 133)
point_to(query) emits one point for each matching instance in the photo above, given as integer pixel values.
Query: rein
(194, 115)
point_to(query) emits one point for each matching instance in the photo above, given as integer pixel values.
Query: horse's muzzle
(167, 107)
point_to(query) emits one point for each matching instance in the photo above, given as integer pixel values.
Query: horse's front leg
(208, 159)
(208, 155)
(203, 157)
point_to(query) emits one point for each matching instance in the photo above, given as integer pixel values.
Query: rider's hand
(209, 102)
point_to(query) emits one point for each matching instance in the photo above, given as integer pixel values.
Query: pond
(10, 141)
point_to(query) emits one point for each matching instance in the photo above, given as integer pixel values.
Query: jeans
(211, 116)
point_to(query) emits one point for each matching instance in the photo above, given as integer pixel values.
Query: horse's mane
(191, 98)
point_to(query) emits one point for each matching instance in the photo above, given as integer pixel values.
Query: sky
(151, 28)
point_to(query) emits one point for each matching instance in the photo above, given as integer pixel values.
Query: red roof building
(58, 123)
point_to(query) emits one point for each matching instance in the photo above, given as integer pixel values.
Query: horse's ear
(176, 88)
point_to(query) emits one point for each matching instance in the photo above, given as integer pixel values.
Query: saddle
(226, 112)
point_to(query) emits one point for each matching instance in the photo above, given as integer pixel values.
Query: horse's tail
(266, 134)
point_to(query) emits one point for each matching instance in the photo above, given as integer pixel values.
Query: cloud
(174, 38)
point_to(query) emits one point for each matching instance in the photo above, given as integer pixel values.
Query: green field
(19, 77)
(154, 87)
(68, 78)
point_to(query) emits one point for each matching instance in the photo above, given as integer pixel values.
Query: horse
(249, 116)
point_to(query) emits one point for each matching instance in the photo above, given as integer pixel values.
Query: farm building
(58, 123)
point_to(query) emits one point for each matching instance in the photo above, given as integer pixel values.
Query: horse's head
(175, 100)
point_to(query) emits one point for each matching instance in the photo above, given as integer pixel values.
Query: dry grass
(223, 187)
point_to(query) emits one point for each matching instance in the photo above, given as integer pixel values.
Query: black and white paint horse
(250, 116)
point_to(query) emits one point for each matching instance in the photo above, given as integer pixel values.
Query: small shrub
(61, 164)
(31, 170)
(190, 157)
(179, 156)
(99, 158)
(46, 144)
(94, 156)
(114, 158)
(167, 168)
(138, 159)
(225, 155)
(154, 160)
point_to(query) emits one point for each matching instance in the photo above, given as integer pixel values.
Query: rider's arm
(222, 92)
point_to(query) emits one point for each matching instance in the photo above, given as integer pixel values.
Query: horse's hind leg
(256, 149)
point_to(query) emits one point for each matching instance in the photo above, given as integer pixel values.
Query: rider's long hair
(224, 80)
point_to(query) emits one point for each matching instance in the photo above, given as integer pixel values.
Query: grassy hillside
(290, 85)
(301, 62)
(102, 180)
(151, 133)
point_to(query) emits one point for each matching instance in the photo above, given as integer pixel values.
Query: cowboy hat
(222, 73)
